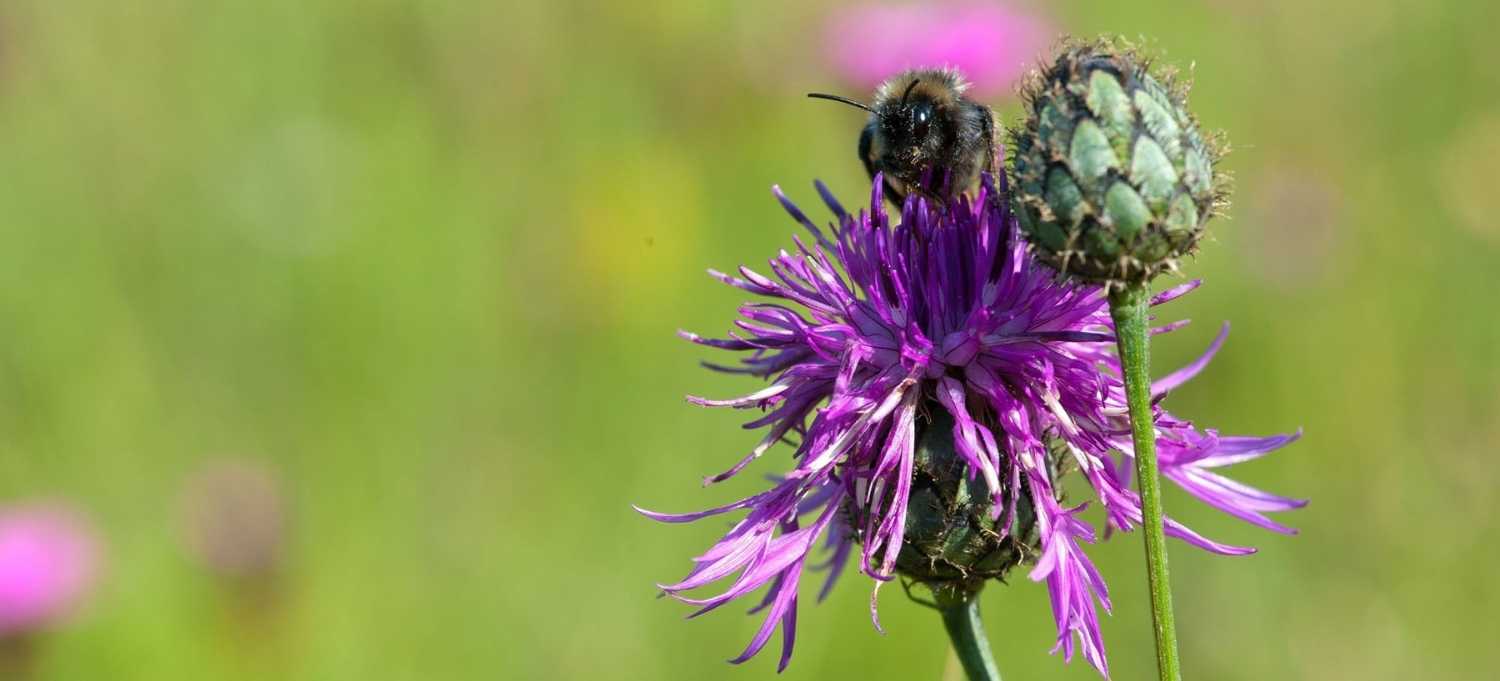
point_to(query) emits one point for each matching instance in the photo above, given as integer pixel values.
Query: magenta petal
(1171, 381)
(1175, 292)
(1232, 450)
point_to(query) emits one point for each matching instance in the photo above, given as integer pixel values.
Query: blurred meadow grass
(426, 260)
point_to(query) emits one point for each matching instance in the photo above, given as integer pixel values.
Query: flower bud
(1115, 180)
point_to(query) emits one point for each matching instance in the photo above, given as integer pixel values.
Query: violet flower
(872, 326)
(48, 561)
(991, 43)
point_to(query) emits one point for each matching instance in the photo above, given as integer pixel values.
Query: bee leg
(987, 135)
(867, 156)
(866, 142)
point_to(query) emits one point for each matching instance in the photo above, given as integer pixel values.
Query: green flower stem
(961, 618)
(1128, 307)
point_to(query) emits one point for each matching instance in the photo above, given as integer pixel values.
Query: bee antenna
(909, 88)
(836, 98)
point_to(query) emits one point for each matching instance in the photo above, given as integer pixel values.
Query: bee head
(909, 127)
(921, 132)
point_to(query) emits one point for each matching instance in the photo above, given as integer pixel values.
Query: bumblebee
(924, 136)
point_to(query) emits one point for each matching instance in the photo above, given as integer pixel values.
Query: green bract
(953, 540)
(1115, 181)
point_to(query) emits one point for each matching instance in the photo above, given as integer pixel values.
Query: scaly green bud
(1114, 180)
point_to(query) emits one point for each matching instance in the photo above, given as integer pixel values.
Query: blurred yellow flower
(635, 233)
(1466, 174)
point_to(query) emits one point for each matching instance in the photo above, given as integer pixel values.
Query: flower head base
(954, 541)
(879, 334)
(48, 559)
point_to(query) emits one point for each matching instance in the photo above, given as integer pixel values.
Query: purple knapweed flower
(872, 329)
(48, 560)
(991, 43)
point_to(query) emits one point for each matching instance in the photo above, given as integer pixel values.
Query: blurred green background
(425, 262)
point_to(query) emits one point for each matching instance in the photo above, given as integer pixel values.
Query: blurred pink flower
(991, 43)
(48, 560)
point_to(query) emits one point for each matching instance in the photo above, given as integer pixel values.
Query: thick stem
(1128, 307)
(961, 618)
